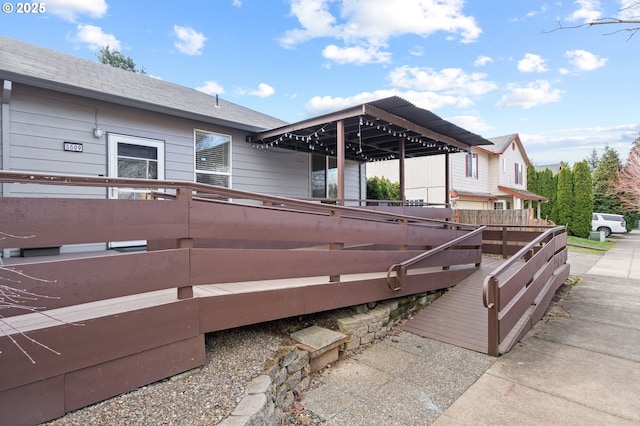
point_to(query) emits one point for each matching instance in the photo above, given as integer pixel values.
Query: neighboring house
(483, 178)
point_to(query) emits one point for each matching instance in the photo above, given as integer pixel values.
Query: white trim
(229, 173)
(112, 151)
(113, 139)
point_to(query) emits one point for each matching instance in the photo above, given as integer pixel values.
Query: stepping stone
(321, 343)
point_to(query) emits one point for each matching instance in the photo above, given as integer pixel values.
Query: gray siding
(42, 120)
(270, 171)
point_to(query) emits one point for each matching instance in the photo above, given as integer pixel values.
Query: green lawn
(589, 243)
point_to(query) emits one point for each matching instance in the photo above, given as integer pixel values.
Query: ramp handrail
(400, 268)
(518, 302)
(486, 294)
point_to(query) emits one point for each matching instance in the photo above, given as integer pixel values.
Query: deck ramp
(458, 317)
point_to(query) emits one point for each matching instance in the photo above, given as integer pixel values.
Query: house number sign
(73, 147)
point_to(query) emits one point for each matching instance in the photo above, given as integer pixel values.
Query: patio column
(446, 180)
(403, 197)
(538, 208)
(340, 138)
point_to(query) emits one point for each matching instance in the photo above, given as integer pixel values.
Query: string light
(313, 142)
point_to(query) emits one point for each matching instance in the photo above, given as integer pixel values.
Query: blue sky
(493, 67)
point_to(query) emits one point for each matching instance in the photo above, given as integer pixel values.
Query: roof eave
(120, 100)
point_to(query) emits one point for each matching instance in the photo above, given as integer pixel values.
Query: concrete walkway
(580, 365)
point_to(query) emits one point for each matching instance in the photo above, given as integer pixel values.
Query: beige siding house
(486, 177)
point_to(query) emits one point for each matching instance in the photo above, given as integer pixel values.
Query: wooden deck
(99, 324)
(458, 317)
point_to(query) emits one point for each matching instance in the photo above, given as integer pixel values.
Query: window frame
(197, 171)
(518, 173)
(471, 165)
(328, 180)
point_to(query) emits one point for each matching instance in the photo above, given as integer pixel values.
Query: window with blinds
(212, 158)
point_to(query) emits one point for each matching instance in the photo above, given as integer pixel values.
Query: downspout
(360, 177)
(5, 142)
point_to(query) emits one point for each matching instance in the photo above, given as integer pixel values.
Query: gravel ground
(208, 394)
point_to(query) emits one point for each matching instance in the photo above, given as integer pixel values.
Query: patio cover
(384, 129)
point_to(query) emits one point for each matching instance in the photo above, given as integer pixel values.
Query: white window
(519, 174)
(324, 176)
(498, 205)
(212, 158)
(472, 165)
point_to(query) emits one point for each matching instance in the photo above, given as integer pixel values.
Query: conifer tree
(580, 224)
(605, 183)
(533, 183)
(548, 190)
(565, 195)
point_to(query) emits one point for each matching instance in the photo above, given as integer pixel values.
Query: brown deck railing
(215, 258)
(520, 290)
(212, 259)
(280, 237)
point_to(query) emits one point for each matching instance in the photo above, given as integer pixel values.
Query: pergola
(385, 129)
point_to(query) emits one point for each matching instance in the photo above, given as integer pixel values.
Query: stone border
(287, 372)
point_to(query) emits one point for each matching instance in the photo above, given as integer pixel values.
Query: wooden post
(340, 155)
(335, 246)
(447, 183)
(403, 194)
(493, 311)
(184, 194)
(504, 242)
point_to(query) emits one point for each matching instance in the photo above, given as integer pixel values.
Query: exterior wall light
(97, 132)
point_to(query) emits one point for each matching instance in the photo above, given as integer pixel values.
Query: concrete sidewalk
(581, 365)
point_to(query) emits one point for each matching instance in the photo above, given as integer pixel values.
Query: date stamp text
(24, 8)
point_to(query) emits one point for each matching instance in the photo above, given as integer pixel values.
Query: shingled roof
(36, 66)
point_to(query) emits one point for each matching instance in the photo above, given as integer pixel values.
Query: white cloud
(95, 38)
(575, 144)
(70, 10)
(236, 3)
(543, 9)
(481, 61)
(533, 94)
(369, 24)
(585, 61)
(416, 51)
(473, 123)
(355, 55)
(211, 88)
(532, 63)
(263, 91)
(451, 81)
(427, 100)
(323, 104)
(422, 86)
(587, 11)
(629, 9)
(189, 41)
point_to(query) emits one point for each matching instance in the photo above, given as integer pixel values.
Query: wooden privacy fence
(499, 217)
(518, 293)
(122, 320)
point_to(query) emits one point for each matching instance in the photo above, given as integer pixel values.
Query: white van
(608, 223)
